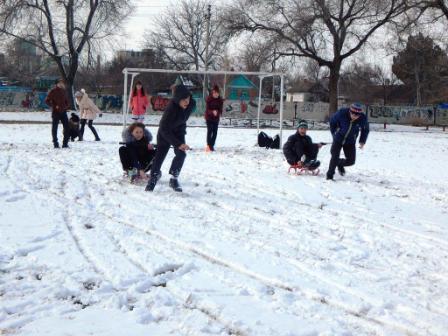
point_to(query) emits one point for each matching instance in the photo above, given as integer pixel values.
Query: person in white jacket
(88, 112)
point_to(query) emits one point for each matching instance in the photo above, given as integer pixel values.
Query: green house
(241, 88)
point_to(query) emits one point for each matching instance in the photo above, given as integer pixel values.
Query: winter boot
(341, 169)
(154, 178)
(312, 164)
(132, 174)
(174, 184)
(330, 177)
(65, 145)
(56, 144)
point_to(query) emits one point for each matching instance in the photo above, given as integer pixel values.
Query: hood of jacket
(129, 138)
(180, 92)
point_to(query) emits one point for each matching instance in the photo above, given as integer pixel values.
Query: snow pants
(132, 159)
(350, 156)
(162, 150)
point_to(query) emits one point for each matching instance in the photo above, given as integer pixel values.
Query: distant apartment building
(140, 57)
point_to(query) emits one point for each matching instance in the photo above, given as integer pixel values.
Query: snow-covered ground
(246, 250)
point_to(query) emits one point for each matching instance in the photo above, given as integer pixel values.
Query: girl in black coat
(172, 130)
(136, 156)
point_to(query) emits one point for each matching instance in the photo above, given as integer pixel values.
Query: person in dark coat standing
(213, 112)
(299, 145)
(57, 100)
(172, 130)
(137, 155)
(345, 127)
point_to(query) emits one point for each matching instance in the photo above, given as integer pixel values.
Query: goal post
(134, 72)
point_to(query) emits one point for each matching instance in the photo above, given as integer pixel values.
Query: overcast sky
(140, 20)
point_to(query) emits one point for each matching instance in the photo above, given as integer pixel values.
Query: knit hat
(302, 124)
(78, 94)
(356, 108)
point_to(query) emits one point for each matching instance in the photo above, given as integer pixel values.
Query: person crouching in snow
(213, 112)
(345, 126)
(172, 130)
(139, 102)
(88, 111)
(137, 155)
(299, 145)
(73, 126)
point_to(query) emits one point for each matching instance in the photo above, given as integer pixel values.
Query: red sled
(298, 169)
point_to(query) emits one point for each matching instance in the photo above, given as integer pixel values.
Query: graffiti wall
(426, 115)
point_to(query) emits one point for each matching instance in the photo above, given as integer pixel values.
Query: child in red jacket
(139, 102)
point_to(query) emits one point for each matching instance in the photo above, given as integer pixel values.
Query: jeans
(212, 132)
(62, 117)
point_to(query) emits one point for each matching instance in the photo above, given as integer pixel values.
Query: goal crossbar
(136, 71)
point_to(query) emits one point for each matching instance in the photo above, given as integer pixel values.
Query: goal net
(251, 99)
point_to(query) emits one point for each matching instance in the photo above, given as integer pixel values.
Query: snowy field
(246, 250)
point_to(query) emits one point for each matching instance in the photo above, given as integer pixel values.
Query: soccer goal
(242, 91)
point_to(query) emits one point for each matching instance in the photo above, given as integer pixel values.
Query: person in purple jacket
(345, 126)
(213, 112)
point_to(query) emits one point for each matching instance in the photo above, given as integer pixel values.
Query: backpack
(264, 140)
(275, 142)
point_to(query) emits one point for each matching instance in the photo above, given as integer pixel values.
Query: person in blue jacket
(345, 127)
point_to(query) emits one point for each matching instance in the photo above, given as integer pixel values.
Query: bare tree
(181, 32)
(327, 31)
(62, 28)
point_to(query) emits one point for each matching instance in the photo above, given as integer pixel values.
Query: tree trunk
(69, 85)
(333, 89)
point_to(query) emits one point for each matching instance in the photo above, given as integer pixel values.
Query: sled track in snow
(259, 277)
(255, 192)
(231, 330)
(266, 280)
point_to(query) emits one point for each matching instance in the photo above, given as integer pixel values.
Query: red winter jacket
(57, 99)
(139, 103)
(213, 104)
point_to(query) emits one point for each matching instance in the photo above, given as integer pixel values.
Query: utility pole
(207, 43)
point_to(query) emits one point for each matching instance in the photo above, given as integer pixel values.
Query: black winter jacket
(297, 146)
(138, 149)
(173, 124)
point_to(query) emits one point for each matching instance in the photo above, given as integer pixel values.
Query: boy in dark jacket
(172, 130)
(57, 100)
(299, 145)
(213, 112)
(345, 126)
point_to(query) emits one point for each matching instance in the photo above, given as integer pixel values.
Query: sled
(298, 169)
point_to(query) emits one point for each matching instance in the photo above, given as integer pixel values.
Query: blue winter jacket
(345, 131)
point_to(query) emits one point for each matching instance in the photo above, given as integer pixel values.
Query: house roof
(242, 82)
